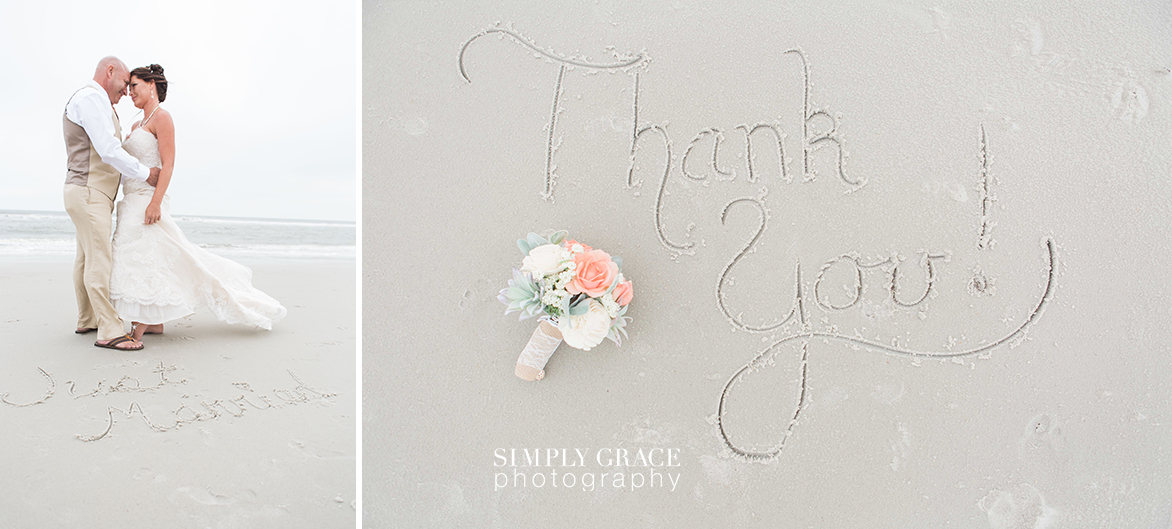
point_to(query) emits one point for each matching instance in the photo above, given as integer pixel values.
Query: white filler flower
(588, 330)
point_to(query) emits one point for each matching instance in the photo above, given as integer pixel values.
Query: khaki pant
(91, 212)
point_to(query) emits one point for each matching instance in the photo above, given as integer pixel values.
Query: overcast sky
(263, 94)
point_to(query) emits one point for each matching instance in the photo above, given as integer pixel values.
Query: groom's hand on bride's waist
(153, 179)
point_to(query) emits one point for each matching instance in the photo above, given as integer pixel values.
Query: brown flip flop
(113, 344)
(85, 330)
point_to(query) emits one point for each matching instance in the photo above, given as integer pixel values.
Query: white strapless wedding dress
(159, 276)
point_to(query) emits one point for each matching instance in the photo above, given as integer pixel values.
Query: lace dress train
(159, 276)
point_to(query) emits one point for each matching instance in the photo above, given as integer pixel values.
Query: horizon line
(173, 215)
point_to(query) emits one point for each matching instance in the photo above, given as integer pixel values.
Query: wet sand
(210, 426)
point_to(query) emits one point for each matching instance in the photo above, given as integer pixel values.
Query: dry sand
(227, 426)
(1005, 166)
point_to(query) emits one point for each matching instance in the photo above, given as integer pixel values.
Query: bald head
(113, 76)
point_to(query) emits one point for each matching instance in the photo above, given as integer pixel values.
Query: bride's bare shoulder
(162, 121)
(165, 114)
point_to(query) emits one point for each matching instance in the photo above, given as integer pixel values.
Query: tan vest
(84, 166)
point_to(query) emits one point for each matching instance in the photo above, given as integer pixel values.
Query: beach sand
(959, 322)
(227, 426)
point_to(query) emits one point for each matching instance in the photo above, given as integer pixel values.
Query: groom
(96, 163)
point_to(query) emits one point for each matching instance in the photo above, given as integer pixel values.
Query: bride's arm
(165, 132)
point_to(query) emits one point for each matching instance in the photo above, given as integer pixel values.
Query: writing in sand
(188, 411)
(849, 271)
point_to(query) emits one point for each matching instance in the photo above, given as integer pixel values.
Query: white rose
(543, 260)
(588, 330)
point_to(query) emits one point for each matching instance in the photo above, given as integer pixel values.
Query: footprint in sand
(1129, 98)
(204, 496)
(719, 489)
(900, 448)
(1022, 508)
(640, 432)
(315, 452)
(1043, 444)
(416, 126)
(148, 474)
(719, 472)
(208, 438)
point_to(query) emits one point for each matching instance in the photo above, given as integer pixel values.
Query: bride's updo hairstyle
(153, 73)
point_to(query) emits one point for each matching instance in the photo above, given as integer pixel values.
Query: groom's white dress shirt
(90, 109)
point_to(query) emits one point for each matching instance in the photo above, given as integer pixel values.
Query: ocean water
(50, 235)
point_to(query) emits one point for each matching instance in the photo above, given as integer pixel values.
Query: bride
(158, 275)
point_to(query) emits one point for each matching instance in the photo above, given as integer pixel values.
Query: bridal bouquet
(578, 293)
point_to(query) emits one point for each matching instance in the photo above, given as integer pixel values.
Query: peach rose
(594, 273)
(622, 293)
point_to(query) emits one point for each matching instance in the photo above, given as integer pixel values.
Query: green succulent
(522, 295)
(617, 331)
(534, 240)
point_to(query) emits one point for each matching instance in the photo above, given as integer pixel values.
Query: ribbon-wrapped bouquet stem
(578, 294)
